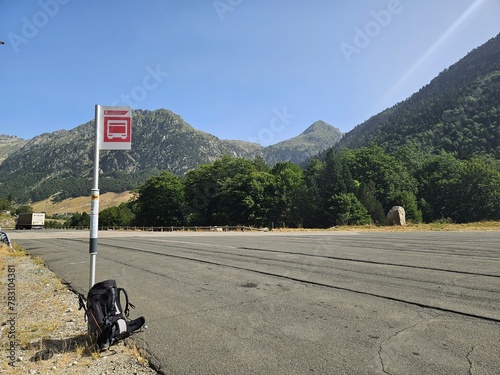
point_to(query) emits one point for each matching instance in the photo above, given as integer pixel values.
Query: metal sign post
(113, 131)
(94, 200)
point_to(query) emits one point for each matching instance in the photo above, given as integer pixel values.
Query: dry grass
(37, 260)
(437, 226)
(17, 251)
(136, 353)
(4, 249)
(80, 204)
(50, 331)
(41, 318)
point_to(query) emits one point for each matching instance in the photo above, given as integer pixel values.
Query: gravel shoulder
(43, 332)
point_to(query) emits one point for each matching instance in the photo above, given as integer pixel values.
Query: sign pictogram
(115, 124)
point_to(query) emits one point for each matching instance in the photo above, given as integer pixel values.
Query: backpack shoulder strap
(82, 301)
(126, 309)
(111, 301)
(83, 305)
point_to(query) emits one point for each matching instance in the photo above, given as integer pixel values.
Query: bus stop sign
(115, 128)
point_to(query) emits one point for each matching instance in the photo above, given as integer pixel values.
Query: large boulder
(396, 216)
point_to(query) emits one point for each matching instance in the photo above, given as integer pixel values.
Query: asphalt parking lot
(302, 302)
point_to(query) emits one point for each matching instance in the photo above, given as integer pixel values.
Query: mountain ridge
(9, 144)
(61, 162)
(456, 112)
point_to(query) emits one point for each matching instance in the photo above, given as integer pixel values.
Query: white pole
(94, 200)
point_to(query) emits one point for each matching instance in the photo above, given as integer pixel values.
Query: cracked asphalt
(297, 303)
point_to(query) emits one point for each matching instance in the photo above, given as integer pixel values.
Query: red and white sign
(115, 128)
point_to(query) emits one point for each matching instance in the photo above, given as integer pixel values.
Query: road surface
(299, 303)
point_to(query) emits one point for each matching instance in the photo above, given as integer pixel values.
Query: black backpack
(107, 321)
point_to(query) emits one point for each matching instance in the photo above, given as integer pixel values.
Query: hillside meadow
(80, 204)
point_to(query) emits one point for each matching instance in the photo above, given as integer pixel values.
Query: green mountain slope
(458, 111)
(316, 138)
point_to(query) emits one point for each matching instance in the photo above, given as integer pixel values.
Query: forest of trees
(457, 112)
(345, 187)
(339, 187)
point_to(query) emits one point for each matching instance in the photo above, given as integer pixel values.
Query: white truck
(33, 220)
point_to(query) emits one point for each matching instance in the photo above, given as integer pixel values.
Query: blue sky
(254, 70)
